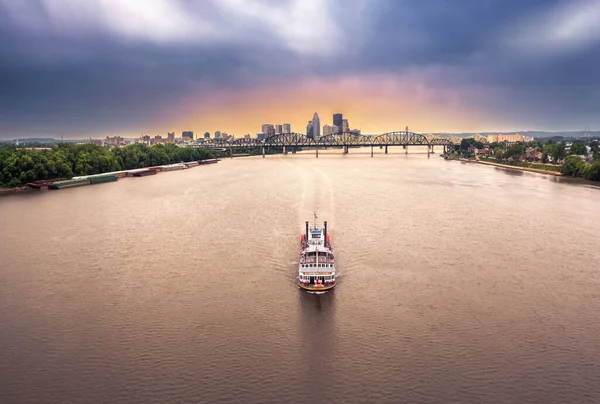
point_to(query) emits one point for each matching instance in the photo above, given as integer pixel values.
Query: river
(459, 283)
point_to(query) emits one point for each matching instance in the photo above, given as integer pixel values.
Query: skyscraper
(206, 135)
(337, 120)
(287, 128)
(316, 125)
(309, 130)
(268, 129)
(187, 135)
(171, 137)
(278, 129)
(345, 126)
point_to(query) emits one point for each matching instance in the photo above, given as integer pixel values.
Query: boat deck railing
(309, 261)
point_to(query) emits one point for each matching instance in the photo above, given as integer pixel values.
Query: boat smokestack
(325, 232)
(307, 231)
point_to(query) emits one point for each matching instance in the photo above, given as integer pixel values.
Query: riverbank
(9, 191)
(61, 183)
(512, 167)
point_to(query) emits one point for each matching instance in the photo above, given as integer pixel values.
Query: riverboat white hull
(316, 267)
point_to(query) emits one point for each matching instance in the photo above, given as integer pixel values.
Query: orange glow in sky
(372, 104)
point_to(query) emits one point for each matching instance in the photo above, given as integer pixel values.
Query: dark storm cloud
(79, 71)
(475, 44)
(90, 82)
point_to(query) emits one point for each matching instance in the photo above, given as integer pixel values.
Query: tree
(466, 143)
(560, 152)
(578, 149)
(573, 166)
(19, 166)
(515, 151)
(592, 171)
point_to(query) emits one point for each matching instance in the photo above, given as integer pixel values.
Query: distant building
(217, 134)
(158, 139)
(114, 141)
(287, 128)
(268, 129)
(506, 138)
(309, 130)
(171, 137)
(337, 120)
(345, 126)
(278, 129)
(97, 142)
(187, 135)
(260, 136)
(316, 126)
(206, 135)
(330, 129)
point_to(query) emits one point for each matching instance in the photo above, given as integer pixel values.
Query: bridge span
(346, 140)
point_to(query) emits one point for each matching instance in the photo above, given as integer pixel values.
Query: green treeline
(66, 160)
(575, 167)
(566, 160)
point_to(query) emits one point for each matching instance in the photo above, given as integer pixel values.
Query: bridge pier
(293, 149)
(317, 151)
(386, 149)
(371, 150)
(345, 149)
(230, 152)
(284, 150)
(405, 149)
(263, 151)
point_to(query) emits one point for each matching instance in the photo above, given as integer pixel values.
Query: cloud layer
(110, 66)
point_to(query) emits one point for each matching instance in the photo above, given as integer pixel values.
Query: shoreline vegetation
(20, 166)
(579, 159)
(24, 165)
(551, 170)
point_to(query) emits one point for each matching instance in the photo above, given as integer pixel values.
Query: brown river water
(458, 283)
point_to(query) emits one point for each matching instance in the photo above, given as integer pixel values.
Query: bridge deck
(338, 139)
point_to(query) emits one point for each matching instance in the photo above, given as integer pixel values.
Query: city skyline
(106, 68)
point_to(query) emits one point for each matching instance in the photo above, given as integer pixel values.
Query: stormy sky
(83, 68)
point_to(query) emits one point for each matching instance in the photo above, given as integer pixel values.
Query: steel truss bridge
(291, 141)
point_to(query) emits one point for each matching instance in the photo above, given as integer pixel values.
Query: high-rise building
(329, 129)
(268, 129)
(337, 120)
(171, 137)
(278, 129)
(287, 128)
(345, 126)
(309, 130)
(316, 125)
(206, 135)
(217, 134)
(187, 135)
